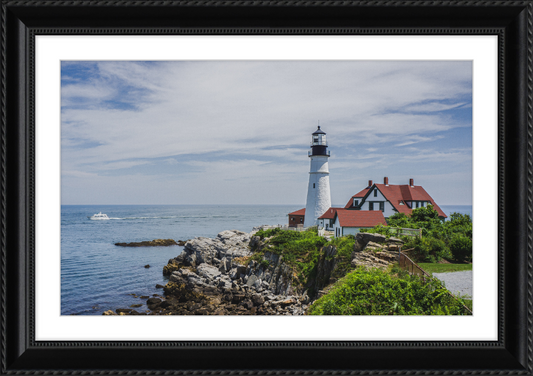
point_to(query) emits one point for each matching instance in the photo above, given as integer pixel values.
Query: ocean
(97, 276)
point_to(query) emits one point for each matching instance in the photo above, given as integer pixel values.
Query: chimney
(369, 183)
(386, 180)
(411, 182)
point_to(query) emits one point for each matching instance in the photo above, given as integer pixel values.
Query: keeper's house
(370, 207)
(391, 199)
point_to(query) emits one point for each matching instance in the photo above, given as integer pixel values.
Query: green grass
(444, 268)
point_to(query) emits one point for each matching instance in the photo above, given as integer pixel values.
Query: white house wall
(345, 230)
(389, 209)
(349, 231)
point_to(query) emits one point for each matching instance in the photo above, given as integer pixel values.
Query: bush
(268, 233)
(378, 292)
(437, 234)
(461, 248)
(430, 249)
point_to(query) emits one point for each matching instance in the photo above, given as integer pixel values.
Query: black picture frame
(511, 21)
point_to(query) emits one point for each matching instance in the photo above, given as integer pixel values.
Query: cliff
(238, 273)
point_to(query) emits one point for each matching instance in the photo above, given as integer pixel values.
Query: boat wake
(178, 217)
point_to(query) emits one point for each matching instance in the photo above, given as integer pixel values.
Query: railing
(299, 228)
(406, 231)
(413, 269)
(309, 153)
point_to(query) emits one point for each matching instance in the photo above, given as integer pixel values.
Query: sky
(238, 132)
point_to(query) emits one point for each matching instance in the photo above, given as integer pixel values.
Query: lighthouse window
(313, 185)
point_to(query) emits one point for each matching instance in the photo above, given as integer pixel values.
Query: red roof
(395, 194)
(298, 212)
(329, 214)
(360, 218)
(357, 195)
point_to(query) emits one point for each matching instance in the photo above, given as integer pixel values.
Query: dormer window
(355, 202)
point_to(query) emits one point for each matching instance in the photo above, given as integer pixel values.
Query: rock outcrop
(375, 250)
(237, 273)
(151, 243)
(376, 242)
(219, 277)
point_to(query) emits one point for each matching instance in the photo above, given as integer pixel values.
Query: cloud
(254, 115)
(417, 139)
(434, 107)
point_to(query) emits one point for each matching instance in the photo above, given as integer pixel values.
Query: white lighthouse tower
(318, 192)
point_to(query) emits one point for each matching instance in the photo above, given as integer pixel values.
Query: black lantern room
(319, 145)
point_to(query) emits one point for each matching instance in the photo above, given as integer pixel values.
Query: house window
(370, 206)
(301, 219)
(417, 204)
(355, 202)
(382, 206)
(292, 219)
(375, 193)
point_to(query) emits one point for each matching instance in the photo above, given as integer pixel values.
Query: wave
(178, 217)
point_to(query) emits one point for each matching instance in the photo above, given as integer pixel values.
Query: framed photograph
(201, 187)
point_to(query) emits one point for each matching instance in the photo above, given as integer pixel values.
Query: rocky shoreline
(218, 277)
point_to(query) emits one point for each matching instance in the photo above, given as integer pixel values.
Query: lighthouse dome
(319, 144)
(319, 131)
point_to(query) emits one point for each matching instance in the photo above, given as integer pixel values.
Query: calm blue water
(97, 276)
(463, 209)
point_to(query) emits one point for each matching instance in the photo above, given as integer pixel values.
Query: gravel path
(457, 282)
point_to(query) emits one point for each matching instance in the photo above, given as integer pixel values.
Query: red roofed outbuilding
(297, 218)
(348, 221)
(326, 220)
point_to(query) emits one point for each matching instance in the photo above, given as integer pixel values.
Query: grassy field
(444, 268)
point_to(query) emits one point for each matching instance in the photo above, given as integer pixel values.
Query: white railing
(406, 231)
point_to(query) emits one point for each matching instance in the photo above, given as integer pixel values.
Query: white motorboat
(99, 216)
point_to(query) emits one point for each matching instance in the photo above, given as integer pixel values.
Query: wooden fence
(398, 231)
(412, 268)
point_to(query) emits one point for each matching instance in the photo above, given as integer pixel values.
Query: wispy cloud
(255, 116)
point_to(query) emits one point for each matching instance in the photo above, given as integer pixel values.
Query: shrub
(300, 250)
(378, 292)
(461, 248)
(268, 233)
(430, 249)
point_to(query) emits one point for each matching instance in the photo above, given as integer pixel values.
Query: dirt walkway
(457, 282)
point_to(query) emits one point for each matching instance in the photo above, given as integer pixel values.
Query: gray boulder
(208, 271)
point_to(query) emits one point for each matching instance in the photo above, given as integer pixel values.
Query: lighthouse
(318, 192)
